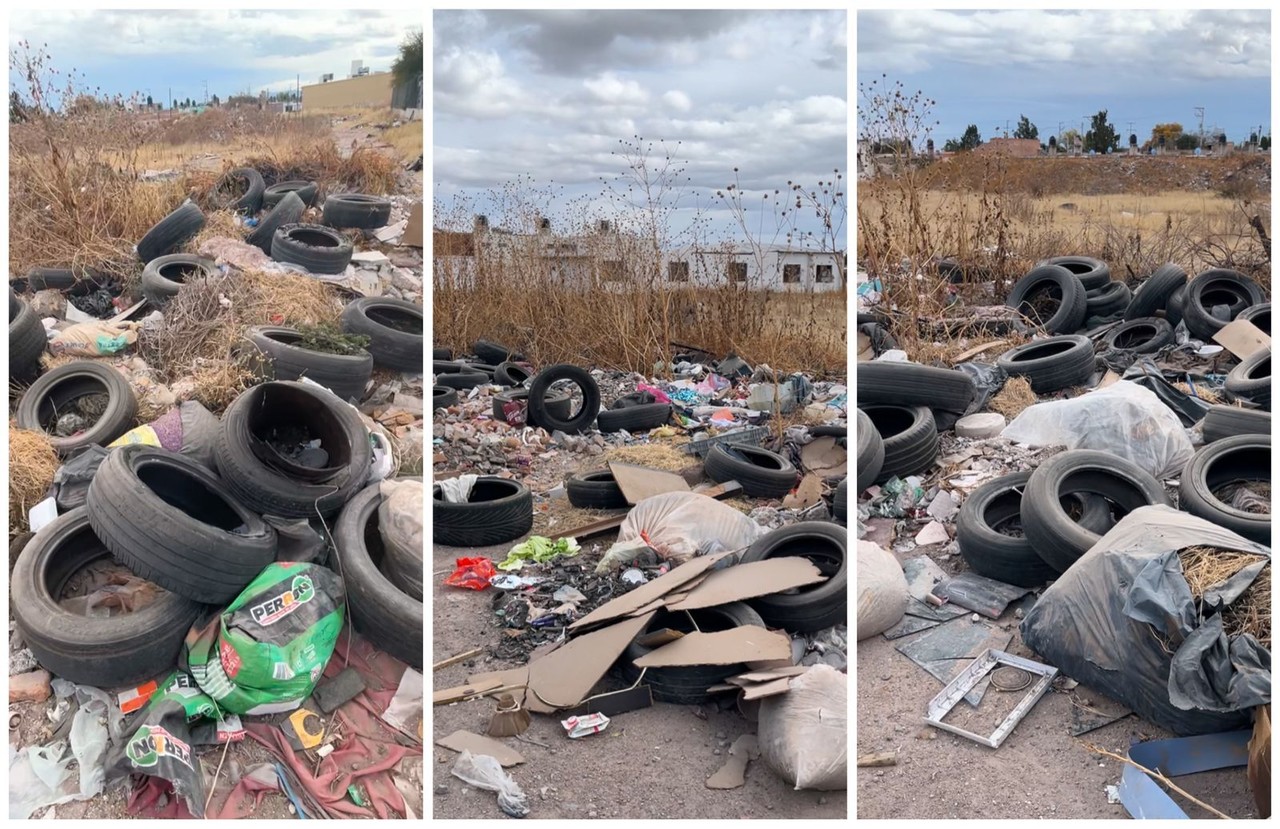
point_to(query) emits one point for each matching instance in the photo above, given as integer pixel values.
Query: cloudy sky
(151, 51)
(550, 93)
(1143, 67)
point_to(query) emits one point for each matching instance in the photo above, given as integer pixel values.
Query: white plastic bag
(882, 590)
(1122, 419)
(485, 772)
(804, 733)
(679, 526)
(400, 523)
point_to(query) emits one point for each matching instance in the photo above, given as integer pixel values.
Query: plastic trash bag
(471, 573)
(882, 590)
(94, 339)
(804, 733)
(987, 379)
(401, 524)
(678, 526)
(484, 772)
(41, 776)
(1123, 419)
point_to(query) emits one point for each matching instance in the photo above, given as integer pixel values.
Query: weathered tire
(305, 190)
(908, 384)
(356, 210)
(463, 379)
(1243, 457)
(1153, 294)
(540, 411)
(493, 353)
(510, 374)
(171, 521)
(1008, 558)
(315, 247)
(286, 212)
(110, 652)
(164, 276)
(870, 452)
(385, 615)
(483, 368)
(1218, 286)
(27, 341)
(1259, 315)
(171, 232)
(441, 353)
(595, 490)
(558, 403)
(840, 502)
(688, 684)
(270, 491)
(1056, 287)
(443, 397)
(1146, 335)
(634, 418)
(394, 328)
(346, 375)
(499, 510)
(1092, 273)
(445, 367)
(1056, 537)
(57, 388)
(763, 474)
(1110, 300)
(1251, 379)
(248, 202)
(1176, 306)
(814, 606)
(910, 438)
(1227, 421)
(1051, 364)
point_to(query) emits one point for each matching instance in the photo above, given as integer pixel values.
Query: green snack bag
(264, 653)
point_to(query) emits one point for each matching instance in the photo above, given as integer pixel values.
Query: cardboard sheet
(746, 581)
(724, 647)
(565, 677)
(640, 482)
(479, 744)
(767, 689)
(1242, 338)
(648, 592)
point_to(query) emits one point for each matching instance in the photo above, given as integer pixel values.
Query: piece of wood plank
(453, 660)
(659, 637)
(603, 525)
(970, 353)
(459, 693)
(880, 758)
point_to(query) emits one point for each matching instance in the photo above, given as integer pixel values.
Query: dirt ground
(650, 763)
(1040, 771)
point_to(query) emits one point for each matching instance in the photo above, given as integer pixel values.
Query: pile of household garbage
(187, 572)
(1135, 484)
(695, 602)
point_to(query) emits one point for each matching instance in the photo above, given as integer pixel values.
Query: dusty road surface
(1040, 771)
(651, 763)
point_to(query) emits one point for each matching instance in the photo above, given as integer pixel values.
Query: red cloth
(368, 743)
(144, 799)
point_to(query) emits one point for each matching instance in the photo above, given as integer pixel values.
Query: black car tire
(540, 411)
(1251, 379)
(315, 247)
(248, 202)
(1218, 286)
(1146, 335)
(356, 210)
(27, 341)
(1110, 300)
(1062, 287)
(397, 346)
(634, 418)
(305, 190)
(1259, 315)
(1051, 364)
(346, 375)
(908, 384)
(511, 374)
(287, 211)
(463, 379)
(1227, 421)
(910, 439)
(688, 684)
(494, 354)
(164, 276)
(498, 510)
(870, 452)
(840, 502)
(57, 388)
(1092, 273)
(813, 606)
(595, 490)
(1153, 294)
(558, 403)
(1239, 458)
(763, 474)
(442, 397)
(171, 232)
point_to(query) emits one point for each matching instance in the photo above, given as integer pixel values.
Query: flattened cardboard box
(725, 647)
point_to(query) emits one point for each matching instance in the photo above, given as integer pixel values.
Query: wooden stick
(454, 660)
(1158, 776)
(884, 758)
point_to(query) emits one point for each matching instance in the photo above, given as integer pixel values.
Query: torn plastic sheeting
(1189, 409)
(987, 380)
(1114, 639)
(457, 490)
(406, 706)
(1142, 796)
(41, 775)
(484, 772)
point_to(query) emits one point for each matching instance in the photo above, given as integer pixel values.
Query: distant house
(1013, 147)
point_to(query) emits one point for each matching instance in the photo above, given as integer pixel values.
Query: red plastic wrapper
(472, 573)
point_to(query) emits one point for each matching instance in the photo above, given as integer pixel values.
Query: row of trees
(1102, 137)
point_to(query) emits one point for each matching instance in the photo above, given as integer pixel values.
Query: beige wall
(367, 91)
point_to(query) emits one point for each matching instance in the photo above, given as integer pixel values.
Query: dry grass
(365, 171)
(1015, 396)
(406, 139)
(1204, 567)
(32, 462)
(666, 455)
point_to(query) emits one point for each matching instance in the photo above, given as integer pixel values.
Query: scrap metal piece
(976, 671)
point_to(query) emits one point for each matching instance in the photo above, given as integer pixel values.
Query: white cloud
(612, 90)
(677, 100)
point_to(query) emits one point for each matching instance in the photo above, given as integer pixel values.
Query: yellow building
(364, 91)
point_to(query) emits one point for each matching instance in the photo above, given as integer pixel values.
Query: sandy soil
(650, 763)
(1040, 771)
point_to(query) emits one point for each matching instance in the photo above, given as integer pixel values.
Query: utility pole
(1199, 111)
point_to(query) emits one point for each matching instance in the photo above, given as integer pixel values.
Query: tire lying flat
(498, 510)
(1053, 363)
(763, 474)
(910, 439)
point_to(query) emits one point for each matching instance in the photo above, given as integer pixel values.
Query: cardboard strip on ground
(746, 581)
(479, 744)
(511, 676)
(563, 678)
(776, 673)
(724, 647)
(767, 689)
(460, 692)
(640, 482)
(646, 593)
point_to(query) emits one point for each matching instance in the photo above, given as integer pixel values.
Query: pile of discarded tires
(901, 409)
(199, 534)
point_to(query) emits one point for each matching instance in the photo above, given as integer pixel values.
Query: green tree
(1069, 140)
(150, 103)
(1026, 129)
(970, 140)
(1265, 142)
(408, 64)
(1102, 136)
(1186, 142)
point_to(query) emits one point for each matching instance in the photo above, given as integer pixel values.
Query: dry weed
(32, 462)
(1013, 398)
(1204, 567)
